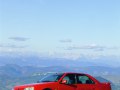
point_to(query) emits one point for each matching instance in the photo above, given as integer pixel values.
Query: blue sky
(64, 28)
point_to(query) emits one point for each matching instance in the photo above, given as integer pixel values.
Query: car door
(85, 83)
(70, 84)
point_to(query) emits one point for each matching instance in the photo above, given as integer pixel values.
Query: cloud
(11, 46)
(18, 38)
(66, 41)
(94, 47)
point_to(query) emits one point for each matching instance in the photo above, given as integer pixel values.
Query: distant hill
(35, 60)
(11, 74)
(16, 70)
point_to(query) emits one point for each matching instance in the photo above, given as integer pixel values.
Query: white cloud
(18, 38)
(93, 47)
(11, 46)
(66, 41)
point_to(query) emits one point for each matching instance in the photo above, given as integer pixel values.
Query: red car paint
(67, 81)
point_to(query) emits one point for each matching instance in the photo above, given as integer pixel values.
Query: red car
(66, 81)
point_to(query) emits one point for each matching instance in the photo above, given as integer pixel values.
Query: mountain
(20, 69)
(17, 71)
(12, 74)
(35, 60)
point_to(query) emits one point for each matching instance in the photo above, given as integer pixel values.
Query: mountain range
(24, 65)
(36, 60)
(17, 69)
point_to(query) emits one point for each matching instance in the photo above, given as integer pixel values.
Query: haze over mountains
(36, 60)
(18, 69)
(35, 63)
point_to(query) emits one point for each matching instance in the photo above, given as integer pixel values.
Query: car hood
(34, 85)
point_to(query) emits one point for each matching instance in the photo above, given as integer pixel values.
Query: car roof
(74, 73)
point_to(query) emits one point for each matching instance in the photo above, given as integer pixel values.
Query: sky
(63, 28)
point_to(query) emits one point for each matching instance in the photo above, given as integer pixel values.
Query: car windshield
(51, 78)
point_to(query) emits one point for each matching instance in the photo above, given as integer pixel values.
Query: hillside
(17, 69)
(12, 75)
(36, 60)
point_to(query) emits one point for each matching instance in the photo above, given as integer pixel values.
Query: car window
(83, 79)
(70, 78)
(51, 78)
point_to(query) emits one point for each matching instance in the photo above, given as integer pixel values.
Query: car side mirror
(64, 81)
